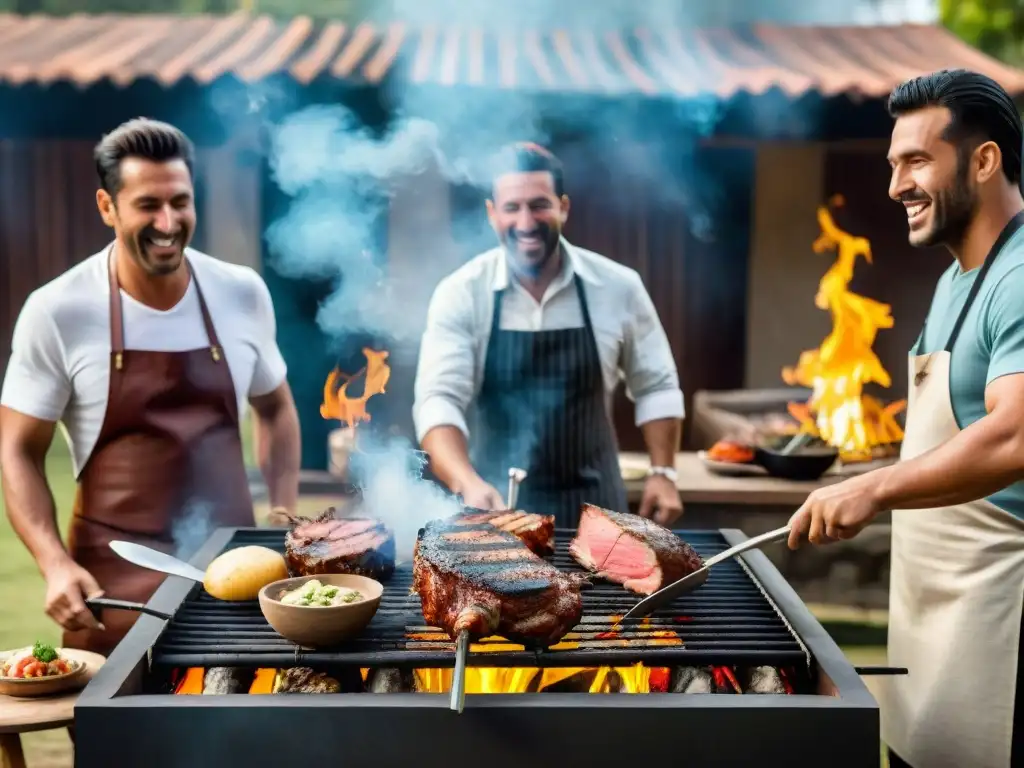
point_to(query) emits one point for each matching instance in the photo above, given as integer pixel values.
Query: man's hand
(481, 495)
(661, 500)
(67, 586)
(835, 512)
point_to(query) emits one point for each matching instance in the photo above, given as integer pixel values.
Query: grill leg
(10, 751)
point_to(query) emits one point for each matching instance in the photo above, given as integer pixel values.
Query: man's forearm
(982, 459)
(449, 456)
(31, 509)
(662, 438)
(278, 452)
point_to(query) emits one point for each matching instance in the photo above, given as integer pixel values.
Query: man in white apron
(957, 574)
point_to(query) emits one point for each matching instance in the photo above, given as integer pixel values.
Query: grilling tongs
(666, 595)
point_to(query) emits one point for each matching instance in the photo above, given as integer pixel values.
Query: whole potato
(240, 574)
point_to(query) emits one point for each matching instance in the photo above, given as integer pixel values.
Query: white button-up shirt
(630, 339)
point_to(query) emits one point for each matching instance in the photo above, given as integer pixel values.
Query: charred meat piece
(305, 680)
(485, 581)
(330, 543)
(535, 531)
(631, 550)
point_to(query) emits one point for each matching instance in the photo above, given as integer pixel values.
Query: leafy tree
(994, 26)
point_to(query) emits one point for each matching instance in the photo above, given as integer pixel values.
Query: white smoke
(192, 527)
(394, 493)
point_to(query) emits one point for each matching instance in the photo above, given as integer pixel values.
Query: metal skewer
(515, 477)
(458, 700)
(458, 692)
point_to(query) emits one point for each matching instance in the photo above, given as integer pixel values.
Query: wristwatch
(669, 472)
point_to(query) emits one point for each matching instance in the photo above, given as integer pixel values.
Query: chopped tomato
(22, 665)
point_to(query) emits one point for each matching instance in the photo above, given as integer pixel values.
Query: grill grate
(727, 621)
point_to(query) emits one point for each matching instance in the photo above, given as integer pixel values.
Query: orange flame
(352, 410)
(839, 412)
(633, 679)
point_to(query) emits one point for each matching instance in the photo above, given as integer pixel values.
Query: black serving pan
(803, 464)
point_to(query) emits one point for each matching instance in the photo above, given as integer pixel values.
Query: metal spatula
(666, 595)
(156, 560)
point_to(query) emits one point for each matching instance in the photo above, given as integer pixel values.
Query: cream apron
(956, 587)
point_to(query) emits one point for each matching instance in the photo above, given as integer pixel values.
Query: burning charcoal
(390, 680)
(764, 680)
(692, 680)
(305, 680)
(579, 682)
(223, 680)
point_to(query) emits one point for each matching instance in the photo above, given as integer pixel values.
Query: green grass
(22, 592)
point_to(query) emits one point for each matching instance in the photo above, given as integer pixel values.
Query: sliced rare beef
(631, 550)
(535, 531)
(330, 543)
(480, 579)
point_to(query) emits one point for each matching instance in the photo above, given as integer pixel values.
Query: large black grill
(727, 621)
(746, 615)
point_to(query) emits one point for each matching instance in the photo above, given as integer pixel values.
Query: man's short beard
(955, 207)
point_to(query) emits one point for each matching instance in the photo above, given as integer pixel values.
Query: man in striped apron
(957, 495)
(525, 345)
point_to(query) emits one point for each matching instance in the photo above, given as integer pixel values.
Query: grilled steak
(535, 531)
(477, 578)
(631, 550)
(333, 544)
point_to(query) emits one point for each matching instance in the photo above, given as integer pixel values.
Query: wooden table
(698, 485)
(18, 716)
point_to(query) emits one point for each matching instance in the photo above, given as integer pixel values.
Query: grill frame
(839, 724)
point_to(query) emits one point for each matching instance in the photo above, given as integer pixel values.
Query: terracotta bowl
(44, 686)
(320, 626)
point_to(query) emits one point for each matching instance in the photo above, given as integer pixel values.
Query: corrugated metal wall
(48, 219)
(48, 222)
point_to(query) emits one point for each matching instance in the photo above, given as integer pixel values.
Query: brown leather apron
(167, 468)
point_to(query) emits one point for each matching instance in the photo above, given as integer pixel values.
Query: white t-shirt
(59, 369)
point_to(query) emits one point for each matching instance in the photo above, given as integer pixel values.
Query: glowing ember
(838, 411)
(352, 410)
(632, 679)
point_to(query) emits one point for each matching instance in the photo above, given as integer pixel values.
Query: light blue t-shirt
(991, 340)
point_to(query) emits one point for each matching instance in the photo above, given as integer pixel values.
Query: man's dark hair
(527, 157)
(981, 111)
(144, 138)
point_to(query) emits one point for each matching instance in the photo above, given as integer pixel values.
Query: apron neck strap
(1008, 231)
(117, 311)
(577, 282)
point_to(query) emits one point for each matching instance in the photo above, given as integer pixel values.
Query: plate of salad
(39, 670)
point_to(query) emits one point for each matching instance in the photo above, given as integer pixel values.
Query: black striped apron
(541, 408)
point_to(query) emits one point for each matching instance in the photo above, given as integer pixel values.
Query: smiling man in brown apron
(525, 345)
(957, 495)
(146, 352)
